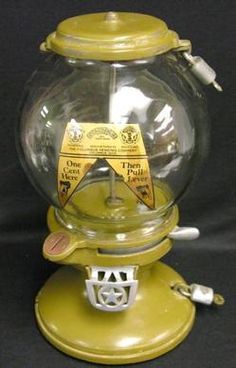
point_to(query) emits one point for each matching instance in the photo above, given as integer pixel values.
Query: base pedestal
(159, 319)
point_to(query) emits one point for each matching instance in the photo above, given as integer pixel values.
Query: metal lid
(111, 36)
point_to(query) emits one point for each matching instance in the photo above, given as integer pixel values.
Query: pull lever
(184, 233)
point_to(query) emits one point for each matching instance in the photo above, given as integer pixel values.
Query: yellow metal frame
(158, 321)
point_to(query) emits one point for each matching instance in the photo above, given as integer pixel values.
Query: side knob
(184, 233)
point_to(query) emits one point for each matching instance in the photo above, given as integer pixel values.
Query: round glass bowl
(158, 93)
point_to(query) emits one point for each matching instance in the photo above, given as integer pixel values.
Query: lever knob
(184, 233)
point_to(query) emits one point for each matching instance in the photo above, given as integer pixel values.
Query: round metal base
(159, 319)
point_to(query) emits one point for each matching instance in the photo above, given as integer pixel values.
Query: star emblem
(112, 296)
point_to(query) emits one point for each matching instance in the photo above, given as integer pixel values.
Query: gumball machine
(113, 128)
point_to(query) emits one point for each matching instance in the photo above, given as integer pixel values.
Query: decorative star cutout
(112, 296)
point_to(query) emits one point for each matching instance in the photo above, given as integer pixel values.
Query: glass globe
(159, 94)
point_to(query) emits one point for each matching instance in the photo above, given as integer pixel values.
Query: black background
(210, 205)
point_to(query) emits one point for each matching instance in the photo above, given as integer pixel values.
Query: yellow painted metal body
(158, 321)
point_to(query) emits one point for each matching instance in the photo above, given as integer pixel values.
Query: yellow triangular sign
(71, 170)
(135, 173)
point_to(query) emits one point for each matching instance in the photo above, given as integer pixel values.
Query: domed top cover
(112, 36)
